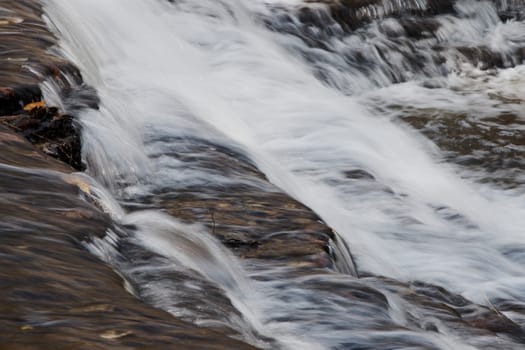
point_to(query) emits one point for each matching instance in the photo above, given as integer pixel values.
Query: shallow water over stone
(276, 174)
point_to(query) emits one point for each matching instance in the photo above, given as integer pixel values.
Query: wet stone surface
(25, 53)
(407, 315)
(492, 145)
(237, 204)
(55, 294)
(284, 248)
(27, 59)
(391, 41)
(50, 131)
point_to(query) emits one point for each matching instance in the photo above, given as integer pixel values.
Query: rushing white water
(209, 69)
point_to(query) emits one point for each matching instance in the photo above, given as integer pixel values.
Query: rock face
(13, 100)
(267, 228)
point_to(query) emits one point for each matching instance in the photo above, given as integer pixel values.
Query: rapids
(404, 132)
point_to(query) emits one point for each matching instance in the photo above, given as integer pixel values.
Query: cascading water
(326, 112)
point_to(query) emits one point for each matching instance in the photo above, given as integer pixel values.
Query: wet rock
(253, 217)
(510, 9)
(24, 49)
(483, 57)
(351, 15)
(387, 41)
(54, 293)
(13, 100)
(26, 60)
(53, 133)
(186, 293)
(491, 144)
(420, 28)
(254, 223)
(17, 151)
(425, 301)
(358, 174)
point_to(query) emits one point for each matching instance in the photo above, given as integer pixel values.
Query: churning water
(405, 133)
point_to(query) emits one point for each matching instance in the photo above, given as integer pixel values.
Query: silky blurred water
(313, 118)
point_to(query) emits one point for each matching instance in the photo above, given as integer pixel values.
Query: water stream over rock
(283, 174)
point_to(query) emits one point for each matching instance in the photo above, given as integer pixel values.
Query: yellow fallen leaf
(113, 334)
(26, 328)
(30, 106)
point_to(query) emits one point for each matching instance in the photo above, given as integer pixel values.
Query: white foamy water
(209, 69)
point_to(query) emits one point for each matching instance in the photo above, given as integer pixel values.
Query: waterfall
(403, 131)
